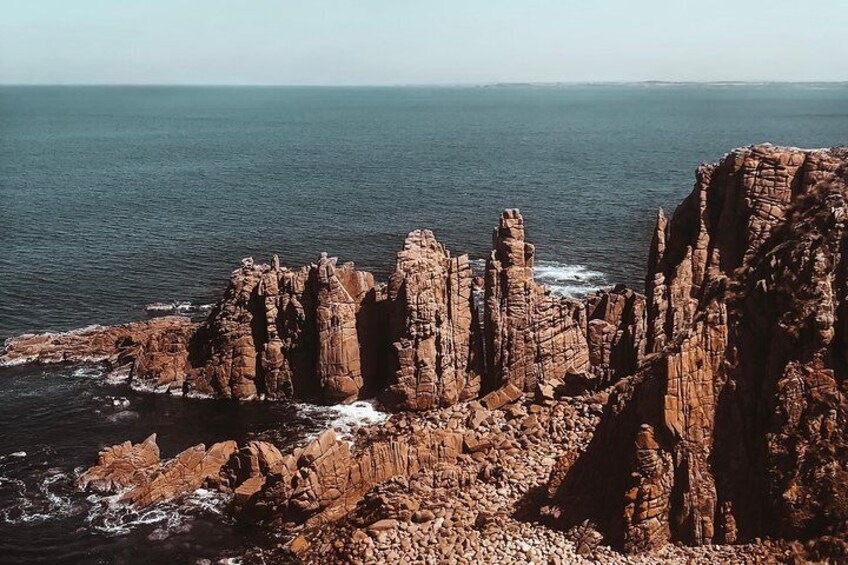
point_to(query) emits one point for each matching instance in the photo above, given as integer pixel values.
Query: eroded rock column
(531, 335)
(430, 292)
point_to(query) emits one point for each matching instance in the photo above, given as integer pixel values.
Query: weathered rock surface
(279, 333)
(531, 335)
(736, 427)
(116, 346)
(498, 398)
(430, 295)
(143, 479)
(480, 507)
(616, 333)
(339, 367)
(121, 466)
(327, 477)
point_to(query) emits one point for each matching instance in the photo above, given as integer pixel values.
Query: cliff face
(531, 336)
(279, 333)
(430, 293)
(736, 427)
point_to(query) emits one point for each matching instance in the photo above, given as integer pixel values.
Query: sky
(397, 42)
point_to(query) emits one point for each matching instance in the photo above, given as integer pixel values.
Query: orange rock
(531, 336)
(505, 395)
(339, 367)
(737, 414)
(430, 293)
(299, 545)
(166, 339)
(122, 466)
(185, 473)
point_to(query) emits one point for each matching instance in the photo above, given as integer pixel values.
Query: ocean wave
(138, 385)
(563, 279)
(345, 418)
(88, 372)
(177, 307)
(110, 516)
(49, 500)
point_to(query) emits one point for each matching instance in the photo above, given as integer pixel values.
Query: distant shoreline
(562, 84)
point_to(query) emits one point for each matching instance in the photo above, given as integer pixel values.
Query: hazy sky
(427, 41)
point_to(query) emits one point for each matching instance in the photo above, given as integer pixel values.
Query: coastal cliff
(710, 410)
(736, 427)
(431, 336)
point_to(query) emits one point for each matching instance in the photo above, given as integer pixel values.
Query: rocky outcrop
(616, 333)
(430, 296)
(142, 479)
(325, 479)
(432, 336)
(193, 468)
(279, 333)
(721, 225)
(122, 466)
(735, 428)
(531, 335)
(339, 368)
(115, 346)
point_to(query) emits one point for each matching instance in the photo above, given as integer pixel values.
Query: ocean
(112, 198)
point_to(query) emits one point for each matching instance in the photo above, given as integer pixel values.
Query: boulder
(498, 398)
(190, 470)
(122, 466)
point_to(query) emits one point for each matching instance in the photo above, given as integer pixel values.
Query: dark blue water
(115, 197)
(111, 198)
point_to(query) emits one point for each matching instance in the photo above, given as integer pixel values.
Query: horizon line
(502, 84)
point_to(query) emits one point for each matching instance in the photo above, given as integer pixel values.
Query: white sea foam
(568, 280)
(346, 418)
(200, 395)
(563, 279)
(144, 386)
(15, 362)
(112, 517)
(88, 372)
(46, 502)
(177, 307)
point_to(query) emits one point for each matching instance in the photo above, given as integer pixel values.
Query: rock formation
(122, 466)
(616, 333)
(322, 481)
(736, 427)
(319, 482)
(431, 337)
(339, 368)
(531, 335)
(430, 293)
(115, 346)
(276, 333)
(142, 479)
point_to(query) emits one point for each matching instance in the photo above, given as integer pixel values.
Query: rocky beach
(700, 419)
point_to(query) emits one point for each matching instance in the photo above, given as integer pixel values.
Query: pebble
(476, 522)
